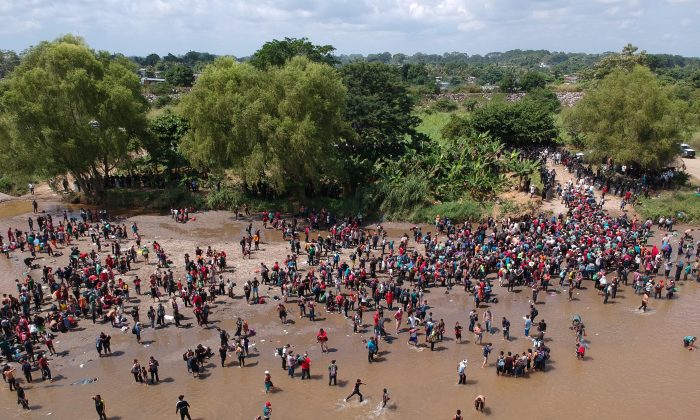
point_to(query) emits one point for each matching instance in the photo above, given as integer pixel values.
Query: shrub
(444, 105)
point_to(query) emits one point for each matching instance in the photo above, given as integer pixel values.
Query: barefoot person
(100, 407)
(479, 403)
(356, 390)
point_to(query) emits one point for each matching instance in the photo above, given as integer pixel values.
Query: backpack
(501, 363)
(133, 329)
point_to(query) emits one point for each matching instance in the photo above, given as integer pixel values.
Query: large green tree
(166, 131)
(630, 117)
(533, 80)
(278, 52)
(179, 75)
(523, 123)
(69, 109)
(277, 126)
(380, 111)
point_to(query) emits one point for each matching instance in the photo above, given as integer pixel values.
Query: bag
(133, 329)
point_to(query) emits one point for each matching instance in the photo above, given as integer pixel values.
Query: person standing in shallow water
(645, 302)
(183, 408)
(356, 390)
(100, 407)
(479, 403)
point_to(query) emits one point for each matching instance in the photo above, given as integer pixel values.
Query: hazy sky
(239, 27)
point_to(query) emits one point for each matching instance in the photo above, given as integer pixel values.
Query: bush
(465, 210)
(684, 206)
(13, 185)
(401, 198)
(444, 105)
(226, 199)
(162, 101)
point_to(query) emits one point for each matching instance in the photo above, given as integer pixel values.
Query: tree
(545, 98)
(151, 59)
(277, 53)
(533, 80)
(630, 117)
(380, 111)
(627, 60)
(508, 83)
(276, 126)
(8, 61)
(524, 123)
(70, 109)
(179, 75)
(166, 131)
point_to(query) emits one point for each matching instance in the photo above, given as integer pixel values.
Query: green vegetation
(632, 118)
(179, 75)
(277, 53)
(296, 125)
(275, 128)
(433, 123)
(67, 108)
(683, 205)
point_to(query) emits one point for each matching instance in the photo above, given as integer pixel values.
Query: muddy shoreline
(632, 354)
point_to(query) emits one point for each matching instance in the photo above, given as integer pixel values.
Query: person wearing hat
(461, 371)
(267, 411)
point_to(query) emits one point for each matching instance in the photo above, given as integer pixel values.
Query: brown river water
(635, 367)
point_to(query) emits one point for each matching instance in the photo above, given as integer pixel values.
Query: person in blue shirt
(528, 325)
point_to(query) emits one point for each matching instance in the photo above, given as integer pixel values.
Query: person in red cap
(267, 411)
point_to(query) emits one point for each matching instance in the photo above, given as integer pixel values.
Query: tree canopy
(278, 52)
(523, 123)
(275, 126)
(70, 109)
(179, 75)
(533, 80)
(630, 117)
(166, 131)
(379, 109)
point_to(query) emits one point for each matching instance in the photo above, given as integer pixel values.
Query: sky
(239, 27)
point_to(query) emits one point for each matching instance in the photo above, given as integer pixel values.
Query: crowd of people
(351, 271)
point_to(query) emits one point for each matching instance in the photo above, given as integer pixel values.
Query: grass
(432, 124)
(683, 205)
(457, 211)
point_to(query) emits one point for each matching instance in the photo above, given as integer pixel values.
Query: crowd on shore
(351, 270)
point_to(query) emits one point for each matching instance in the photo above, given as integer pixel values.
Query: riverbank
(421, 382)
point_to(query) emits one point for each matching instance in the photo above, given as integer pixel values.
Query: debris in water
(85, 381)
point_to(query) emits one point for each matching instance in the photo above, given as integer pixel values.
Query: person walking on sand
(100, 407)
(398, 316)
(268, 381)
(356, 390)
(322, 338)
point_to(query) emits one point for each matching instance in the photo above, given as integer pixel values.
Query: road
(692, 167)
